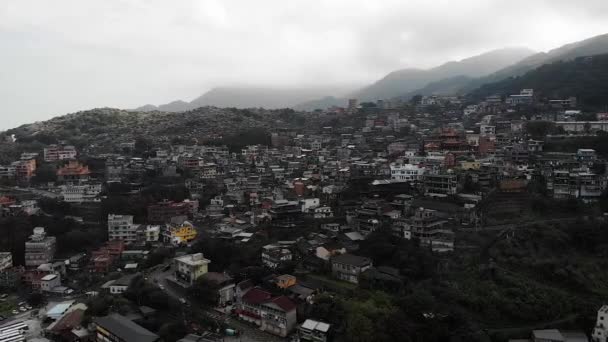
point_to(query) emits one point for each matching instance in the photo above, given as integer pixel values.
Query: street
(248, 332)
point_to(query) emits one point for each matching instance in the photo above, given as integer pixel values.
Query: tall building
(352, 105)
(121, 227)
(40, 249)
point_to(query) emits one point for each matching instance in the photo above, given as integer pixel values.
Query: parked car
(22, 309)
(15, 312)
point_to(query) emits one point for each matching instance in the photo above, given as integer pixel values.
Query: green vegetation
(586, 78)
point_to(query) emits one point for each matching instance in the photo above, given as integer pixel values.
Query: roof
(354, 236)
(59, 308)
(256, 296)
(49, 277)
(124, 280)
(125, 329)
(245, 284)
(548, 334)
(69, 321)
(283, 303)
(217, 278)
(310, 324)
(350, 259)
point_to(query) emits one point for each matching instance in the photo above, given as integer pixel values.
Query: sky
(62, 56)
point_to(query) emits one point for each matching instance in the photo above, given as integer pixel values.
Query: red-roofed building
(74, 171)
(275, 315)
(163, 211)
(103, 258)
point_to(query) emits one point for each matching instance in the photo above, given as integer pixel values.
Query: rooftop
(125, 329)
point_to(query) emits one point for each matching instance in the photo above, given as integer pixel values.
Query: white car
(22, 309)
(15, 312)
(161, 286)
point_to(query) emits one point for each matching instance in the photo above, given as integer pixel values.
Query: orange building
(25, 168)
(73, 171)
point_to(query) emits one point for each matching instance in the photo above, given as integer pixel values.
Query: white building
(314, 331)
(121, 227)
(49, 282)
(485, 130)
(309, 204)
(6, 260)
(190, 267)
(152, 233)
(81, 193)
(323, 212)
(56, 153)
(600, 332)
(406, 172)
(40, 249)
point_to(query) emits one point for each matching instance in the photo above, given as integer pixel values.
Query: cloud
(65, 55)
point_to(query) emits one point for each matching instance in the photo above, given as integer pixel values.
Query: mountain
(586, 78)
(446, 86)
(588, 47)
(403, 81)
(247, 97)
(322, 103)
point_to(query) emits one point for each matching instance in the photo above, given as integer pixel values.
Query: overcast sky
(62, 56)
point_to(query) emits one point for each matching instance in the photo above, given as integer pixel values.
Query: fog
(62, 56)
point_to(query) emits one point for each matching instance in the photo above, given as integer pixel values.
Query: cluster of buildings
(422, 176)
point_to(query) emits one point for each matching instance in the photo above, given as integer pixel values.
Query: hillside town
(346, 220)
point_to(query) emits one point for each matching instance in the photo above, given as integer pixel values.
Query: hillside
(588, 47)
(104, 129)
(461, 85)
(584, 77)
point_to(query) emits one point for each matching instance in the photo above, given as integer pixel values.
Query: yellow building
(180, 234)
(470, 165)
(284, 281)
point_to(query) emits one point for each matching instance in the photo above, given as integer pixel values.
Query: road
(518, 225)
(249, 333)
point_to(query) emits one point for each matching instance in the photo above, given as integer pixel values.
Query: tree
(204, 292)
(44, 174)
(539, 129)
(172, 331)
(360, 328)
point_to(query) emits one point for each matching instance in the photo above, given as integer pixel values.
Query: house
(348, 267)
(190, 267)
(179, 233)
(49, 282)
(314, 331)
(275, 256)
(68, 327)
(163, 211)
(225, 285)
(6, 260)
(285, 281)
(276, 315)
(600, 331)
(121, 284)
(40, 249)
(74, 172)
(121, 227)
(117, 327)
